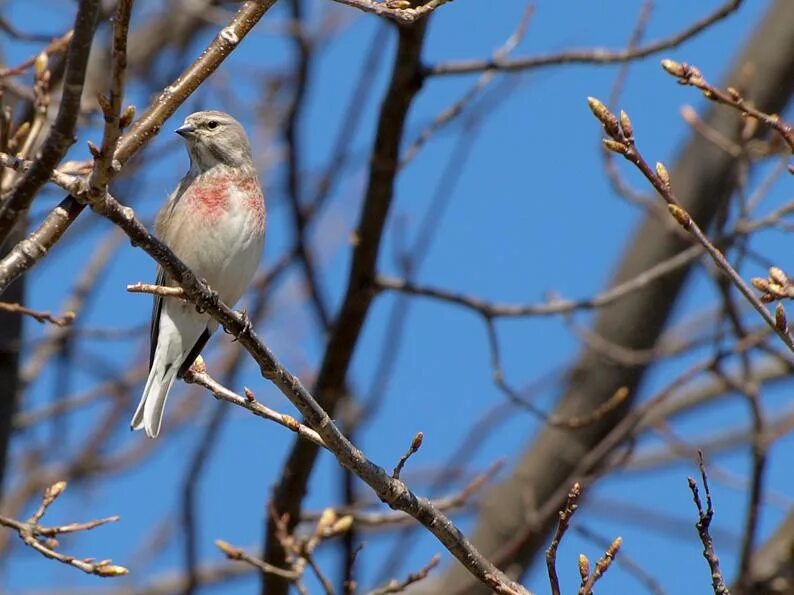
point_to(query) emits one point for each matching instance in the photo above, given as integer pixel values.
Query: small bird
(215, 223)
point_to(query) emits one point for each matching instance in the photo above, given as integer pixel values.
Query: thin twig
(61, 135)
(395, 586)
(30, 533)
(588, 56)
(689, 75)
(704, 521)
(161, 290)
(552, 307)
(562, 526)
(401, 11)
(601, 567)
(236, 553)
(62, 320)
(249, 402)
(416, 444)
(111, 106)
(56, 46)
(621, 141)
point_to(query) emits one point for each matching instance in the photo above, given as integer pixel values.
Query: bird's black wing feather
(194, 353)
(154, 332)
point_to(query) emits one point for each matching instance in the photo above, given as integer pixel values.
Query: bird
(214, 222)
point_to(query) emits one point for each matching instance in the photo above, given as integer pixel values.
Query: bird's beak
(185, 130)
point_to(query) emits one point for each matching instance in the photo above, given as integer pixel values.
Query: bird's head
(215, 138)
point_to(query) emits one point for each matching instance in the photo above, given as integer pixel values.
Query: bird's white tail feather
(149, 414)
(174, 343)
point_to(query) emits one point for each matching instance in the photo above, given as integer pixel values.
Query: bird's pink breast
(212, 197)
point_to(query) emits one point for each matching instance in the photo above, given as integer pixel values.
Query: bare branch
(390, 490)
(703, 524)
(588, 56)
(62, 320)
(565, 518)
(400, 11)
(236, 553)
(621, 141)
(395, 586)
(161, 290)
(554, 306)
(601, 567)
(111, 106)
(56, 46)
(416, 444)
(689, 75)
(30, 533)
(61, 135)
(196, 375)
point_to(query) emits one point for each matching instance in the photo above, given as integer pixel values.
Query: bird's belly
(228, 254)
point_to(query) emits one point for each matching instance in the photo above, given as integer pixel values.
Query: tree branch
(61, 135)
(588, 56)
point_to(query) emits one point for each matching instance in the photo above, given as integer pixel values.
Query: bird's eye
(212, 124)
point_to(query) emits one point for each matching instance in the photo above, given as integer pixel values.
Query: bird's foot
(248, 326)
(213, 298)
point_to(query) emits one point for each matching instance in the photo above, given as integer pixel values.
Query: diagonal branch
(393, 492)
(384, 164)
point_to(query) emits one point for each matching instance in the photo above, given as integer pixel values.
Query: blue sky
(531, 212)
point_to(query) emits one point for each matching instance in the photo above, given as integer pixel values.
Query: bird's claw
(248, 326)
(213, 299)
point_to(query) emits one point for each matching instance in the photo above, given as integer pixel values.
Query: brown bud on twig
(104, 105)
(199, 367)
(625, 125)
(19, 136)
(675, 68)
(780, 318)
(680, 215)
(108, 570)
(417, 442)
(614, 547)
(52, 543)
(778, 276)
(584, 567)
(342, 525)
(40, 65)
(95, 151)
(326, 520)
(606, 117)
(734, 93)
(249, 395)
(127, 116)
(760, 284)
(55, 490)
(228, 549)
(614, 146)
(663, 174)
